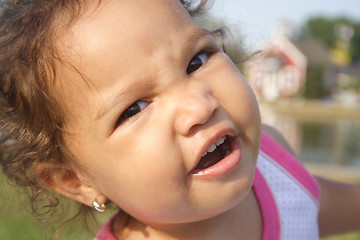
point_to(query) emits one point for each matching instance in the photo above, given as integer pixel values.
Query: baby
(130, 101)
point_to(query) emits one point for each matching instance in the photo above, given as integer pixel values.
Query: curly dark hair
(31, 120)
(31, 117)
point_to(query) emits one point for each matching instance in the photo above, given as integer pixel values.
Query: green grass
(350, 236)
(17, 221)
(22, 226)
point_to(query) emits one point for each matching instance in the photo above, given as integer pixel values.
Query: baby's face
(158, 94)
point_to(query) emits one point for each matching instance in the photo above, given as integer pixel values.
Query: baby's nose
(195, 107)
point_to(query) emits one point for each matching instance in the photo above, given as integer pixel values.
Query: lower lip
(224, 166)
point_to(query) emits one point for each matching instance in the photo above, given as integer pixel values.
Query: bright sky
(256, 19)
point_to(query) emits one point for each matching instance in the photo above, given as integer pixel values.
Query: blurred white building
(280, 71)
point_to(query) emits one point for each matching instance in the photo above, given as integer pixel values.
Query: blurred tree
(320, 28)
(341, 36)
(355, 43)
(330, 32)
(314, 86)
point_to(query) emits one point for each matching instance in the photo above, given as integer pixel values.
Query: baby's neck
(241, 222)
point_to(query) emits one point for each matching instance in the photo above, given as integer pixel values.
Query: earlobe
(68, 183)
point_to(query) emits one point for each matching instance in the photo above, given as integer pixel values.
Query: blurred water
(334, 141)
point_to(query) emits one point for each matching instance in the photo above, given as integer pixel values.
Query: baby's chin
(200, 214)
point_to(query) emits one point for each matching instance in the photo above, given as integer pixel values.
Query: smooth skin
(154, 90)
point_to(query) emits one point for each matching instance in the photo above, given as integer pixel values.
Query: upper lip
(224, 132)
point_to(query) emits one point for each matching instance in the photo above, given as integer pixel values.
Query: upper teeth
(213, 146)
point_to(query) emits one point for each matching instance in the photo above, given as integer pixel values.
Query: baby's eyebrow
(199, 34)
(117, 98)
(105, 108)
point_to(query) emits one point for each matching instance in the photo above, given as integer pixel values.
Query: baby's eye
(197, 61)
(131, 111)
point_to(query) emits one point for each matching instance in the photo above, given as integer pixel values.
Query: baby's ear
(65, 181)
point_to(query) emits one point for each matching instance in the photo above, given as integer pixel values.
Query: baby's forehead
(139, 26)
(120, 38)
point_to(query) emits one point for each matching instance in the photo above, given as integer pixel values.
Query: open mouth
(214, 154)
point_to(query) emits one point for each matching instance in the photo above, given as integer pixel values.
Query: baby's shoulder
(278, 137)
